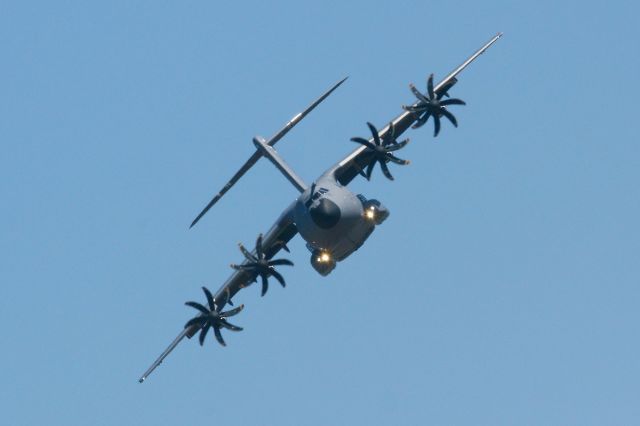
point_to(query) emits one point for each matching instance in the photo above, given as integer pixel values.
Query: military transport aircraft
(333, 221)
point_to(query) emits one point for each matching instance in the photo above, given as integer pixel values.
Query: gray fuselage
(334, 221)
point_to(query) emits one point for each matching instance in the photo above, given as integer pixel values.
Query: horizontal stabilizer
(256, 155)
(271, 153)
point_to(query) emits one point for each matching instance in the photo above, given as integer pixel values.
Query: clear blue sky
(503, 289)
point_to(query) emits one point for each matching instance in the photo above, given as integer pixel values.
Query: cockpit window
(319, 193)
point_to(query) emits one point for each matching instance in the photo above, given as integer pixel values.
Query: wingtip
(335, 86)
(195, 221)
(496, 38)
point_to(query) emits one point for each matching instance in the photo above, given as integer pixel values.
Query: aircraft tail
(261, 150)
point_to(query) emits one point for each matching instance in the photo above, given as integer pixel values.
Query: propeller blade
(430, 87)
(450, 116)
(453, 101)
(390, 137)
(418, 95)
(262, 267)
(198, 306)
(422, 120)
(398, 145)
(397, 160)
(364, 142)
(207, 293)
(430, 103)
(374, 133)
(385, 170)
(279, 262)
(203, 334)
(230, 326)
(247, 254)
(275, 274)
(219, 338)
(259, 251)
(248, 267)
(370, 169)
(265, 285)
(381, 152)
(232, 312)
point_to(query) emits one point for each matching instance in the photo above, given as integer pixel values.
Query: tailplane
(263, 150)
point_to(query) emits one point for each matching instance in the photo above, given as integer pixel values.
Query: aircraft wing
(272, 242)
(356, 162)
(276, 239)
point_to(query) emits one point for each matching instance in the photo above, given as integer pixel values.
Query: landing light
(324, 257)
(370, 213)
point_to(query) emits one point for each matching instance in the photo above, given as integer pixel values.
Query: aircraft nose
(325, 214)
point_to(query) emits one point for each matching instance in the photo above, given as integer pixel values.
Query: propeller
(258, 264)
(382, 150)
(211, 317)
(430, 104)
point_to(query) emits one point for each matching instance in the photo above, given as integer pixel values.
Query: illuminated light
(370, 213)
(324, 257)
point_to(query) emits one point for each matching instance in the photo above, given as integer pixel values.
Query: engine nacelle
(323, 262)
(375, 211)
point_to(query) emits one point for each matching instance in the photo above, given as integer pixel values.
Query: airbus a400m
(333, 221)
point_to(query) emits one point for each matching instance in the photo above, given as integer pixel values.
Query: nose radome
(325, 214)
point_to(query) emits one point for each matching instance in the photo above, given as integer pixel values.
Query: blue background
(503, 289)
